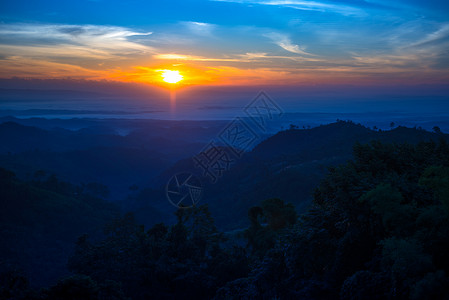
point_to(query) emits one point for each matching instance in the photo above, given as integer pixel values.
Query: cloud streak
(69, 48)
(285, 43)
(69, 41)
(338, 8)
(199, 28)
(173, 56)
(310, 49)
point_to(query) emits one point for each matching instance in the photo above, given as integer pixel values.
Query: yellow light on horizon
(171, 76)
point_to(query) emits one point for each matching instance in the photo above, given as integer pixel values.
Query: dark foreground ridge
(288, 165)
(377, 228)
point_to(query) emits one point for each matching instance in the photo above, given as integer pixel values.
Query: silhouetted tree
(437, 130)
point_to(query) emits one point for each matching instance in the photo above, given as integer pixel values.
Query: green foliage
(13, 285)
(97, 189)
(6, 176)
(405, 258)
(74, 288)
(377, 230)
(437, 130)
(254, 214)
(260, 240)
(278, 216)
(40, 221)
(81, 287)
(366, 285)
(432, 286)
(387, 202)
(437, 179)
(150, 263)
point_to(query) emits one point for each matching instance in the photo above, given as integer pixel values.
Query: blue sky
(228, 41)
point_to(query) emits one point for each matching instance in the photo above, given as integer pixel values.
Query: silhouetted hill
(332, 139)
(41, 220)
(316, 142)
(115, 167)
(96, 152)
(18, 138)
(288, 166)
(42, 216)
(7, 94)
(12, 128)
(378, 229)
(14, 136)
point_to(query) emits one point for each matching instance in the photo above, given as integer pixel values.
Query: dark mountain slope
(332, 139)
(313, 143)
(288, 165)
(117, 167)
(92, 154)
(41, 220)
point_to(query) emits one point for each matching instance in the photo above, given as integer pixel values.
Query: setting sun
(170, 76)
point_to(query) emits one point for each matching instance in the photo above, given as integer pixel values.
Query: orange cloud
(33, 68)
(204, 75)
(192, 75)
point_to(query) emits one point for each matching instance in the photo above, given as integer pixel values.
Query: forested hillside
(288, 165)
(378, 228)
(42, 218)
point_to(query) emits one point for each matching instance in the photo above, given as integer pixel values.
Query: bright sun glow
(171, 76)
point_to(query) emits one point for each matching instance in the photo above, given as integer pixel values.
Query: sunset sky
(234, 42)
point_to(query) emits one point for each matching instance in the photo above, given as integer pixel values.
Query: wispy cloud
(306, 5)
(69, 50)
(91, 41)
(254, 55)
(35, 68)
(249, 57)
(272, 58)
(299, 51)
(441, 34)
(173, 56)
(199, 28)
(413, 45)
(285, 43)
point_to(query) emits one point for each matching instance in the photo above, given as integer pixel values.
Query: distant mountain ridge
(46, 94)
(288, 165)
(96, 153)
(338, 136)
